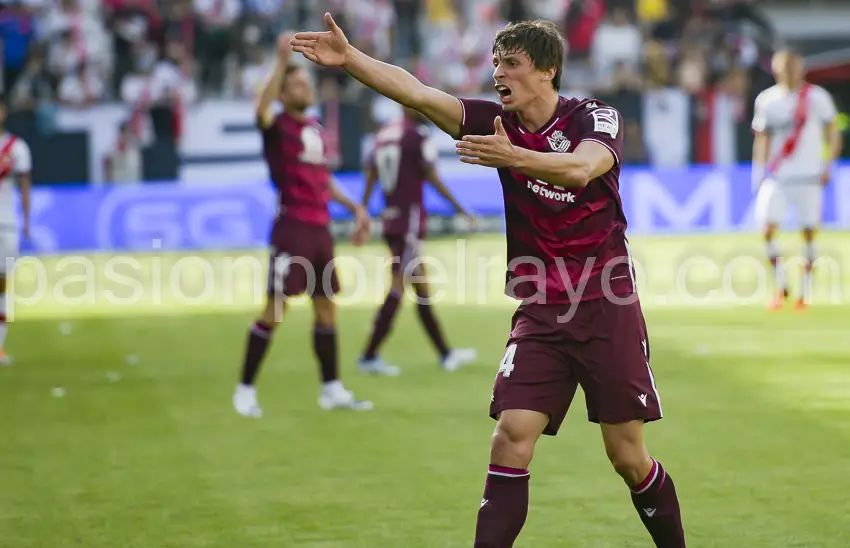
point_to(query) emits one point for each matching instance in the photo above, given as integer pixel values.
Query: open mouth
(503, 91)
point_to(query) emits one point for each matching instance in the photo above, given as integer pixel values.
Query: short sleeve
(603, 125)
(759, 123)
(22, 157)
(825, 106)
(478, 117)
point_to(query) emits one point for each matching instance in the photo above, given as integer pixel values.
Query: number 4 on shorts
(507, 363)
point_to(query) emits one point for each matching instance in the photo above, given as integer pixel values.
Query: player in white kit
(791, 122)
(15, 167)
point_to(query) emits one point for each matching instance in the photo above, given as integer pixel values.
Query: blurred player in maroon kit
(580, 322)
(301, 244)
(402, 161)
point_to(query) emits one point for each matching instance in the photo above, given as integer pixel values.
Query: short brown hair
(540, 40)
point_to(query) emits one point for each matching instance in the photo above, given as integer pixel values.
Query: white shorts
(773, 199)
(8, 249)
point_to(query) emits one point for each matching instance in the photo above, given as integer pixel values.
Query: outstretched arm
(331, 48)
(271, 88)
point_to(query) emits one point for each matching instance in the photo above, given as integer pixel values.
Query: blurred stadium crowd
(664, 63)
(80, 52)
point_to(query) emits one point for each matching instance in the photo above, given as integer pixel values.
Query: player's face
(788, 67)
(298, 91)
(517, 81)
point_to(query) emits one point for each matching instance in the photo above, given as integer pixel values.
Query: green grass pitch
(141, 449)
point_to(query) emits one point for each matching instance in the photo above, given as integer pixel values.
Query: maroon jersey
(563, 244)
(402, 155)
(295, 153)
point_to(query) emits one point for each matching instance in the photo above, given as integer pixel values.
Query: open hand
(328, 48)
(284, 46)
(488, 150)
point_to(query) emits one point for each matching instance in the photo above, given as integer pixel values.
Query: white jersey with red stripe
(15, 160)
(775, 113)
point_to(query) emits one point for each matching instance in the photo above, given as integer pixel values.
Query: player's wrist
(349, 57)
(521, 158)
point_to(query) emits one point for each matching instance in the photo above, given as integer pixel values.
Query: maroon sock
(258, 342)
(658, 507)
(383, 324)
(429, 321)
(324, 344)
(503, 508)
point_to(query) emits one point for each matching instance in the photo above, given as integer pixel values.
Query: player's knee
(808, 234)
(422, 290)
(398, 283)
(629, 460)
(273, 312)
(769, 231)
(325, 312)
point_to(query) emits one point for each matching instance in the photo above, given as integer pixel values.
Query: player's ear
(547, 75)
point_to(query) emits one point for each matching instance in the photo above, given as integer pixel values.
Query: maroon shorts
(301, 260)
(404, 248)
(603, 347)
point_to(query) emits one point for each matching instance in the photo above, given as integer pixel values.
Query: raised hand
(487, 150)
(328, 48)
(284, 46)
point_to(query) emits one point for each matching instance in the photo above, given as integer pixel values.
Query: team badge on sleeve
(605, 120)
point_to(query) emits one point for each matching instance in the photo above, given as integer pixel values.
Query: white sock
(809, 254)
(2, 320)
(776, 260)
(332, 387)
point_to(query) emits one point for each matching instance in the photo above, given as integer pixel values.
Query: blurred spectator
(17, 34)
(82, 87)
(583, 19)
(33, 86)
(178, 25)
(78, 33)
(214, 34)
(254, 72)
(131, 22)
(617, 40)
(157, 93)
(124, 163)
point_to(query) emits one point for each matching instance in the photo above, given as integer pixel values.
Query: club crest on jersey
(558, 142)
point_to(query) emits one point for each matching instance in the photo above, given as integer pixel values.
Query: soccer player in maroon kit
(301, 257)
(402, 161)
(579, 322)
